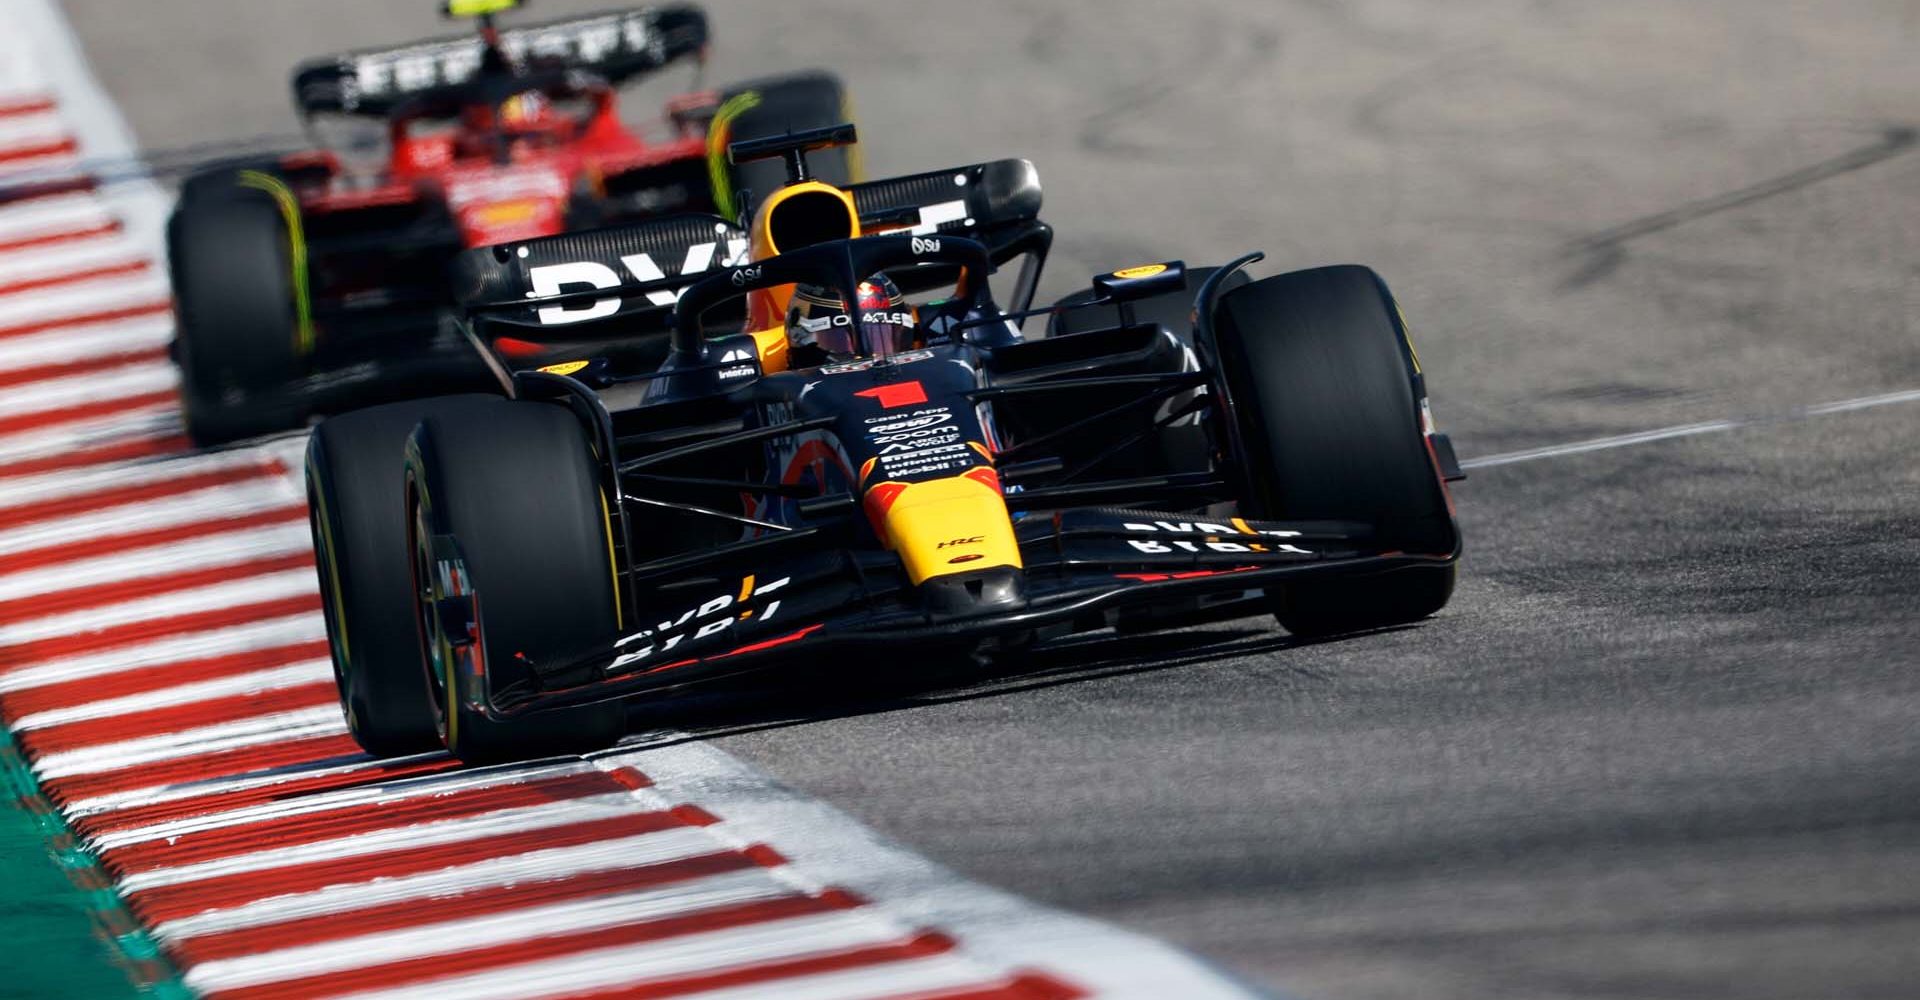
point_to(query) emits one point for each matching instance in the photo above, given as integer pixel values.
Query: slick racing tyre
(773, 106)
(515, 489)
(355, 468)
(233, 251)
(1320, 374)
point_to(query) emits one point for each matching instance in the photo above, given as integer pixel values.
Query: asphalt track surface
(1666, 740)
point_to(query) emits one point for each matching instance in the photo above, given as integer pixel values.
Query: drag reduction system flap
(616, 46)
(970, 201)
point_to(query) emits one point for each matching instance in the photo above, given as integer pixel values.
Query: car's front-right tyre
(1321, 377)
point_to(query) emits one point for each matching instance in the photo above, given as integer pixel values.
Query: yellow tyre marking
(336, 597)
(718, 133)
(283, 196)
(856, 154)
(1406, 335)
(613, 564)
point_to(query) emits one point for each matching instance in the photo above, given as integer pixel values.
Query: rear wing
(615, 46)
(968, 201)
(643, 266)
(996, 204)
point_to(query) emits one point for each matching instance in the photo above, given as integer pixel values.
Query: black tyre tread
(355, 471)
(1319, 372)
(228, 255)
(517, 488)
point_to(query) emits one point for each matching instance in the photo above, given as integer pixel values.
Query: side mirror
(1130, 284)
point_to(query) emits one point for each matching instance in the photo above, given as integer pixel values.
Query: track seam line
(1693, 430)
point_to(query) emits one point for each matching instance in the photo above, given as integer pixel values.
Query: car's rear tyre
(356, 507)
(517, 490)
(1321, 377)
(813, 99)
(231, 252)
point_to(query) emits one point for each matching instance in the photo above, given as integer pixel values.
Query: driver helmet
(528, 109)
(880, 325)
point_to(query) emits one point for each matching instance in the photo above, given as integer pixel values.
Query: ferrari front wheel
(234, 256)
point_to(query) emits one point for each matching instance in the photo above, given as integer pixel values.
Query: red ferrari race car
(305, 284)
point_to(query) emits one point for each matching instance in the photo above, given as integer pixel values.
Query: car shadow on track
(838, 689)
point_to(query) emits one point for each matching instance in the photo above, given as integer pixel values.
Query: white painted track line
(494, 929)
(394, 795)
(611, 967)
(60, 393)
(58, 260)
(65, 303)
(259, 589)
(449, 831)
(91, 340)
(1691, 430)
(268, 633)
(239, 733)
(218, 550)
(132, 519)
(625, 852)
(299, 674)
(42, 217)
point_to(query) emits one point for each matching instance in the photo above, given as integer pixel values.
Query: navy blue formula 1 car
(874, 459)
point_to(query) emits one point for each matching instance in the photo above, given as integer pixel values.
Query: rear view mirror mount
(1131, 284)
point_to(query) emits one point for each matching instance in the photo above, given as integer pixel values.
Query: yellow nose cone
(945, 526)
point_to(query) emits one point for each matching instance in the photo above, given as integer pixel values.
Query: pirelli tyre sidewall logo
(1210, 536)
(698, 623)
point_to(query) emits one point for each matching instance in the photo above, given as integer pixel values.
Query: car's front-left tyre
(355, 472)
(506, 514)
